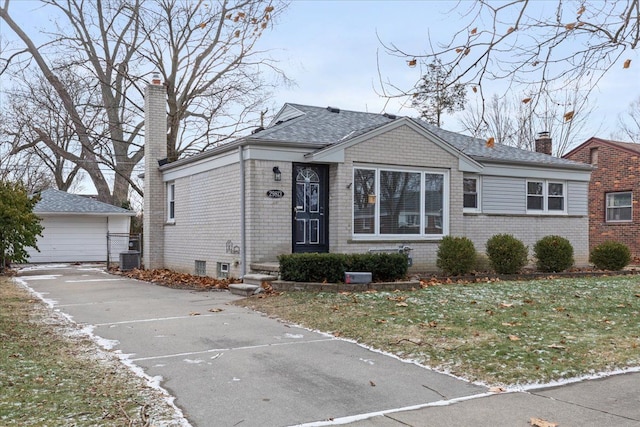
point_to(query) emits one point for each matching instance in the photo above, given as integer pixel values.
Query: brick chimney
(155, 151)
(543, 143)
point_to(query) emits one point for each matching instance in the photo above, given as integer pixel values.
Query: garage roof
(56, 201)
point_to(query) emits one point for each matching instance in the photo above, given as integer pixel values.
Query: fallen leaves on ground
(174, 279)
(539, 422)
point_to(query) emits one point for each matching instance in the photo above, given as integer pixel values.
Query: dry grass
(52, 375)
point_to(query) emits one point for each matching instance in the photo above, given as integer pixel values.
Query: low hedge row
(330, 267)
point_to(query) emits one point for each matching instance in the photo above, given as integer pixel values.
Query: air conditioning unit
(129, 260)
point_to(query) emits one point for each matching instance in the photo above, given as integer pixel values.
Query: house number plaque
(275, 194)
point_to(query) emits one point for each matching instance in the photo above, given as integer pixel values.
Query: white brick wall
(530, 229)
(207, 217)
(269, 232)
(399, 147)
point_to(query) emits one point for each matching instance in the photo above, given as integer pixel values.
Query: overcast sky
(330, 49)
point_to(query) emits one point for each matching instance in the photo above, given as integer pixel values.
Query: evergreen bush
(456, 255)
(553, 254)
(506, 253)
(328, 267)
(610, 255)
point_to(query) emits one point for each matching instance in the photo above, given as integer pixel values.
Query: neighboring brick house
(613, 191)
(322, 179)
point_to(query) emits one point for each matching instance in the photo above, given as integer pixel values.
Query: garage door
(70, 239)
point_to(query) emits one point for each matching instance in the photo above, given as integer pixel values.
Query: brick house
(613, 191)
(323, 179)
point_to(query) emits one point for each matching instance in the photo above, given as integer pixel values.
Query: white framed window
(392, 203)
(471, 193)
(619, 206)
(171, 202)
(545, 196)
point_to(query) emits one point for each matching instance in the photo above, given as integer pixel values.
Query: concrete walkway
(229, 366)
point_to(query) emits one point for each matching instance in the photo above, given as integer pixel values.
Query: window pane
(556, 203)
(470, 201)
(300, 199)
(619, 199)
(555, 189)
(534, 188)
(433, 202)
(534, 202)
(313, 197)
(399, 201)
(364, 184)
(469, 185)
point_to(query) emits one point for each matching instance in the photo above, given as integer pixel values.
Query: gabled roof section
(56, 201)
(318, 126)
(630, 147)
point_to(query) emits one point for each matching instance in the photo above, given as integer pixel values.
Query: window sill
(170, 223)
(394, 239)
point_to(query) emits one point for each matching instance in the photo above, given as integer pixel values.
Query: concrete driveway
(229, 366)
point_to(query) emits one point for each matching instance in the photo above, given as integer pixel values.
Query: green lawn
(49, 377)
(498, 333)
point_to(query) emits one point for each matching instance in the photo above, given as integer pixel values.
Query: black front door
(310, 208)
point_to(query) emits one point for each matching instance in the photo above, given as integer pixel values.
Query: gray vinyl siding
(577, 198)
(503, 195)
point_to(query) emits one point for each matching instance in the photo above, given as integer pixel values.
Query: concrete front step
(243, 289)
(257, 279)
(265, 267)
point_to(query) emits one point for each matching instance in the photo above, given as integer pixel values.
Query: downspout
(243, 234)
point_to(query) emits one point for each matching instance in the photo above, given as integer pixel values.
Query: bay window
(392, 202)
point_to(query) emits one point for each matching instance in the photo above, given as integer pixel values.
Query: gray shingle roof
(319, 127)
(56, 201)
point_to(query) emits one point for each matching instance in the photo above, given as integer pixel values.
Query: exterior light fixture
(277, 175)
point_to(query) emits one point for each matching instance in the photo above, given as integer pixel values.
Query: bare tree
(542, 46)
(433, 97)
(630, 123)
(511, 121)
(36, 128)
(205, 52)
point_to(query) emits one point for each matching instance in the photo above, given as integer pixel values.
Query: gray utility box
(357, 277)
(129, 260)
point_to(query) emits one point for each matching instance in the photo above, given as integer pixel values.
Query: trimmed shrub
(325, 267)
(610, 255)
(506, 253)
(456, 255)
(553, 254)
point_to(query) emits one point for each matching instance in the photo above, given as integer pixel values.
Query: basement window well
(223, 270)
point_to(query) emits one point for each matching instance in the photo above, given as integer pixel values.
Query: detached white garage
(76, 227)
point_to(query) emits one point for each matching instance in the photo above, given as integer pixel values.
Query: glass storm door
(310, 211)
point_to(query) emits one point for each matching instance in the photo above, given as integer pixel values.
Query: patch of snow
(193, 361)
(293, 336)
